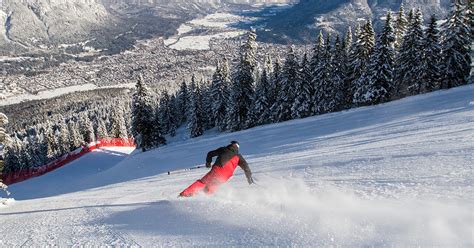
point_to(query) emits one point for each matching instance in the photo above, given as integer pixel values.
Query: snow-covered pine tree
(157, 136)
(142, 116)
(195, 122)
(260, 112)
(347, 80)
(290, 77)
(33, 148)
(401, 24)
(12, 154)
(102, 132)
(243, 88)
(363, 49)
(50, 143)
(275, 86)
(456, 44)
(317, 64)
(164, 112)
(25, 155)
(182, 103)
(219, 94)
(206, 105)
(63, 138)
(175, 122)
(409, 67)
(302, 106)
(3, 133)
(117, 123)
(226, 78)
(432, 62)
(86, 127)
(324, 86)
(75, 138)
(3, 141)
(379, 74)
(337, 75)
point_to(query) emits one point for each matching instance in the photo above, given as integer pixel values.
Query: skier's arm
(210, 155)
(245, 166)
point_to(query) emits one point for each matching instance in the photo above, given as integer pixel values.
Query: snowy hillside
(398, 174)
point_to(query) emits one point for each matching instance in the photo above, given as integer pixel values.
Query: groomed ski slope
(398, 174)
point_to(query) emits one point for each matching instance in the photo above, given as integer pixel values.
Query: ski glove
(208, 164)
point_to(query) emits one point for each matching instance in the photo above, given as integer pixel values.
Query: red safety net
(25, 174)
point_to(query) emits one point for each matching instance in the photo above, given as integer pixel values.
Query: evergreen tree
(410, 62)
(432, 62)
(324, 86)
(363, 49)
(102, 132)
(182, 103)
(286, 96)
(3, 141)
(401, 24)
(34, 151)
(86, 128)
(157, 138)
(347, 71)
(206, 105)
(142, 116)
(195, 123)
(456, 46)
(368, 41)
(219, 93)
(50, 144)
(244, 83)
(302, 105)
(337, 77)
(12, 155)
(75, 137)
(164, 112)
(260, 113)
(275, 86)
(3, 133)
(174, 117)
(25, 156)
(118, 127)
(318, 63)
(226, 78)
(379, 75)
(63, 138)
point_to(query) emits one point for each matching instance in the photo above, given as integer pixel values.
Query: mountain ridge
(303, 21)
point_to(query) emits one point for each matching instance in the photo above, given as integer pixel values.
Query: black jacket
(226, 153)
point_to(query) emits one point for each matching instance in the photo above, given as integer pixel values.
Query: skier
(228, 158)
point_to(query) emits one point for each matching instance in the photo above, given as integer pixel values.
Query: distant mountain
(40, 22)
(303, 21)
(106, 24)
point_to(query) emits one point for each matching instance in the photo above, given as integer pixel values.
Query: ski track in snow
(398, 174)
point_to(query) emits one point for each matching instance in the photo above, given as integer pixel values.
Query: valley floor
(398, 174)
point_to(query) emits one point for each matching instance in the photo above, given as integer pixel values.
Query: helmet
(233, 142)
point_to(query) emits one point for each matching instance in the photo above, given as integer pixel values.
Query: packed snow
(397, 175)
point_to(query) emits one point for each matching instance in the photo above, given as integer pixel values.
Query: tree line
(359, 69)
(43, 142)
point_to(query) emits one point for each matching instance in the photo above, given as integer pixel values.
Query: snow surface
(201, 42)
(396, 175)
